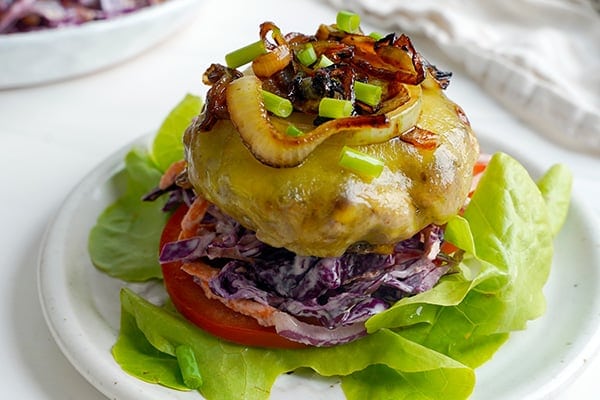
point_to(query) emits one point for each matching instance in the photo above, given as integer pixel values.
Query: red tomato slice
(211, 315)
(480, 166)
(478, 169)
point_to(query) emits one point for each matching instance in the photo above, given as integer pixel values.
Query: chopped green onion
(324, 62)
(376, 35)
(188, 366)
(245, 54)
(279, 106)
(360, 163)
(293, 131)
(367, 93)
(335, 108)
(307, 56)
(348, 22)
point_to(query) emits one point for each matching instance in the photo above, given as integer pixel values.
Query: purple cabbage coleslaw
(18, 16)
(334, 292)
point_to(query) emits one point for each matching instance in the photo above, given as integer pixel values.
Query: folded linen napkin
(539, 58)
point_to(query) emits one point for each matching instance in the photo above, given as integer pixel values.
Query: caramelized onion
(390, 58)
(421, 138)
(215, 108)
(405, 111)
(278, 38)
(266, 65)
(265, 136)
(401, 54)
(391, 63)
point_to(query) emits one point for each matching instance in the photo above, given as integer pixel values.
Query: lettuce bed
(424, 347)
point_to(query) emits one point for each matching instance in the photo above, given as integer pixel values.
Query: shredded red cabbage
(176, 196)
(335, 292)
(316, 335)
(31, 15)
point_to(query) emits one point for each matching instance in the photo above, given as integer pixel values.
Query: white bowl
(50, 55)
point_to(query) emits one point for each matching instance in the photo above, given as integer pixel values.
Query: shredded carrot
(191, 220)
(171, 174)
(262, 313)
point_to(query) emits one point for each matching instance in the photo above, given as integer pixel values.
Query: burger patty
(320, 209)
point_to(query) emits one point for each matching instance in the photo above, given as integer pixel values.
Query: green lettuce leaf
(138, 357)
(167, 146)
(405, 369)
(124, 242)
(506, 234)
(555, 186)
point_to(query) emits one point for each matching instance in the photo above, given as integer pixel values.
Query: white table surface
(52, 135)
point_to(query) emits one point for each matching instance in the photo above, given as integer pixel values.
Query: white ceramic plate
(82, 309)
(50, 55)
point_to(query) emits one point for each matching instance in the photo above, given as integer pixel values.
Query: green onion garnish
(307, 56)
(367, 93)
(324, 62)
(376, 35)
(348, 22)
(335, 108)
(245, 54)
(278, 105)
(293, 131)
(360, 163)
(188, 366)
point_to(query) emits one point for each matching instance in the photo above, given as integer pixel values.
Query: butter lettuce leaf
(402, 368)
(124, 242)
(138, 357)
(167, 146)
(507, 236)
(556, 186)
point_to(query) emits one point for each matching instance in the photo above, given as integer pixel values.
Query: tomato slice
(480, 166)
(208, 314)
(478, 170)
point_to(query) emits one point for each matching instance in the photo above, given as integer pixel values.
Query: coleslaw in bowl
(50, 55)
